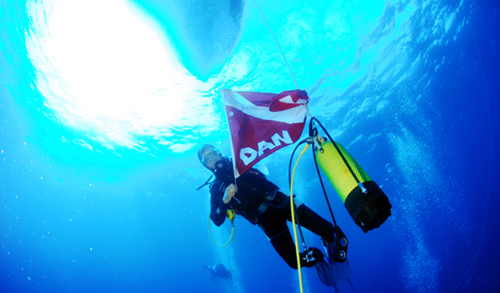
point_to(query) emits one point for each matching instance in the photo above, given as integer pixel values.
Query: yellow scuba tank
(367, 204)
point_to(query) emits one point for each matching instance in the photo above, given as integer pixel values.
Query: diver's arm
(220, 204)
(230, 192)
(218, 208)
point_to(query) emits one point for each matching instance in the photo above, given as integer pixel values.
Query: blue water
(103, 105)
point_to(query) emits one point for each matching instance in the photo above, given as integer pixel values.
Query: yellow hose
(293, 220)
(232, 232)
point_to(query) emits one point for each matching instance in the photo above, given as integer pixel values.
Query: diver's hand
(230, 192)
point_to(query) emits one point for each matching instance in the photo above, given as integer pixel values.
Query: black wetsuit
(261, 203)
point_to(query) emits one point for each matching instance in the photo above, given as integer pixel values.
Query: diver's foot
(311, 257)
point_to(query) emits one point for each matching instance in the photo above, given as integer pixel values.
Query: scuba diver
(219, 270)
(262, 203)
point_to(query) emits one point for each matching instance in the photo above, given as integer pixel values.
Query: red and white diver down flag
(262, 123)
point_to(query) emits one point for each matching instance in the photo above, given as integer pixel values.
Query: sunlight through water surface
(112, 78)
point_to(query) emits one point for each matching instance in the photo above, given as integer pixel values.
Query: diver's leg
(276, 229)
(281, 239)
(334, 240)
(283, 244)
(307, 217)
(314, 223)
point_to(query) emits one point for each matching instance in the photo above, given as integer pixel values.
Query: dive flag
(262, 123)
